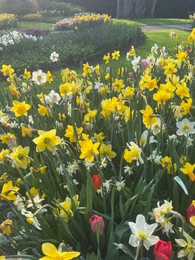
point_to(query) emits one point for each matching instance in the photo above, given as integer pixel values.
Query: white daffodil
(154, 49)
(142, 232)
(54, 97)
(160, 216)
(54, 56)
(39, 77)
(136, 63)
(144, 138)
(151, 60)
(188, 245)
(185, 127)
(31, 218)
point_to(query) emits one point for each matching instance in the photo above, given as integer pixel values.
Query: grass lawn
(156, 21)
(161, 21)
(160, 37)
(35, 25)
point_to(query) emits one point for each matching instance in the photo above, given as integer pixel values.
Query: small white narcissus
(185, 127)
(54, 56)
(39, 77)
(142, 232)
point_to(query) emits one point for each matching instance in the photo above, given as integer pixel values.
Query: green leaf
(182, 185)
(125, 249)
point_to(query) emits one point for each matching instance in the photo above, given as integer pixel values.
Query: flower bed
(15, 38)
(81, 21)
(102, 165)
(8, 21)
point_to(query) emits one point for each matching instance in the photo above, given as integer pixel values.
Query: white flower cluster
(52, 12)
(14, 37)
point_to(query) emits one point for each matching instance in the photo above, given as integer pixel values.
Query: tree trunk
(128, 9)
(135, 8)
(120, 5)
(139, 8)
(150, 8)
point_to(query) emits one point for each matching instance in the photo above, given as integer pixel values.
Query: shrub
(36, 17)
(75, 46)
(36, 32)
(8, 21)
(23, 7)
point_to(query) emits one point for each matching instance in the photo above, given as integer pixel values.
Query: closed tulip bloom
(162, 250)
(97, 224)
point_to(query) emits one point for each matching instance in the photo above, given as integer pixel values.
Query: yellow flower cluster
(74, 147)
(8, 21)
(86, 18)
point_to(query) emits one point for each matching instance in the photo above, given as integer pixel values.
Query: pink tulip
(97, 224)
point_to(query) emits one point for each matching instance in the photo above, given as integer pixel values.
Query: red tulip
(191, 214)
(162, 250)
(96, 179)
(97, 224)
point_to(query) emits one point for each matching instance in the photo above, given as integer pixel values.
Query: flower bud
(97, 224)
(96, 180)
(144, 64)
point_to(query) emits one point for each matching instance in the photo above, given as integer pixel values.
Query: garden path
(166, 27)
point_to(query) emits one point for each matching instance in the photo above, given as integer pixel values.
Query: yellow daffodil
(148, 116)
(9, 191)
(42, 110)
(8, 138)
(131, 53)
(188, 169)
(147, 82)
(26, 131)
(70, 133)
(4, 154)
(90, 116)
(47, 140)
(166, 162)
(106, 151)
(5, 226)
(170, 69)
(182, 90)
(20, 156)
(88, 149)
(128, 92)
(68, 88)
(107, 58)
(86, 69)
(182, 55)
(52, 253)
(186, 106)
(118, 85)
(115, 55)
(7, 70)
(133, 153)
(27, 74)
(14, 90)
(49, 77)
(20, 108)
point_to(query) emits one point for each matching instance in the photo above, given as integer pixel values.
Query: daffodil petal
(192, 220)
(49, 250)
(69, 255)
